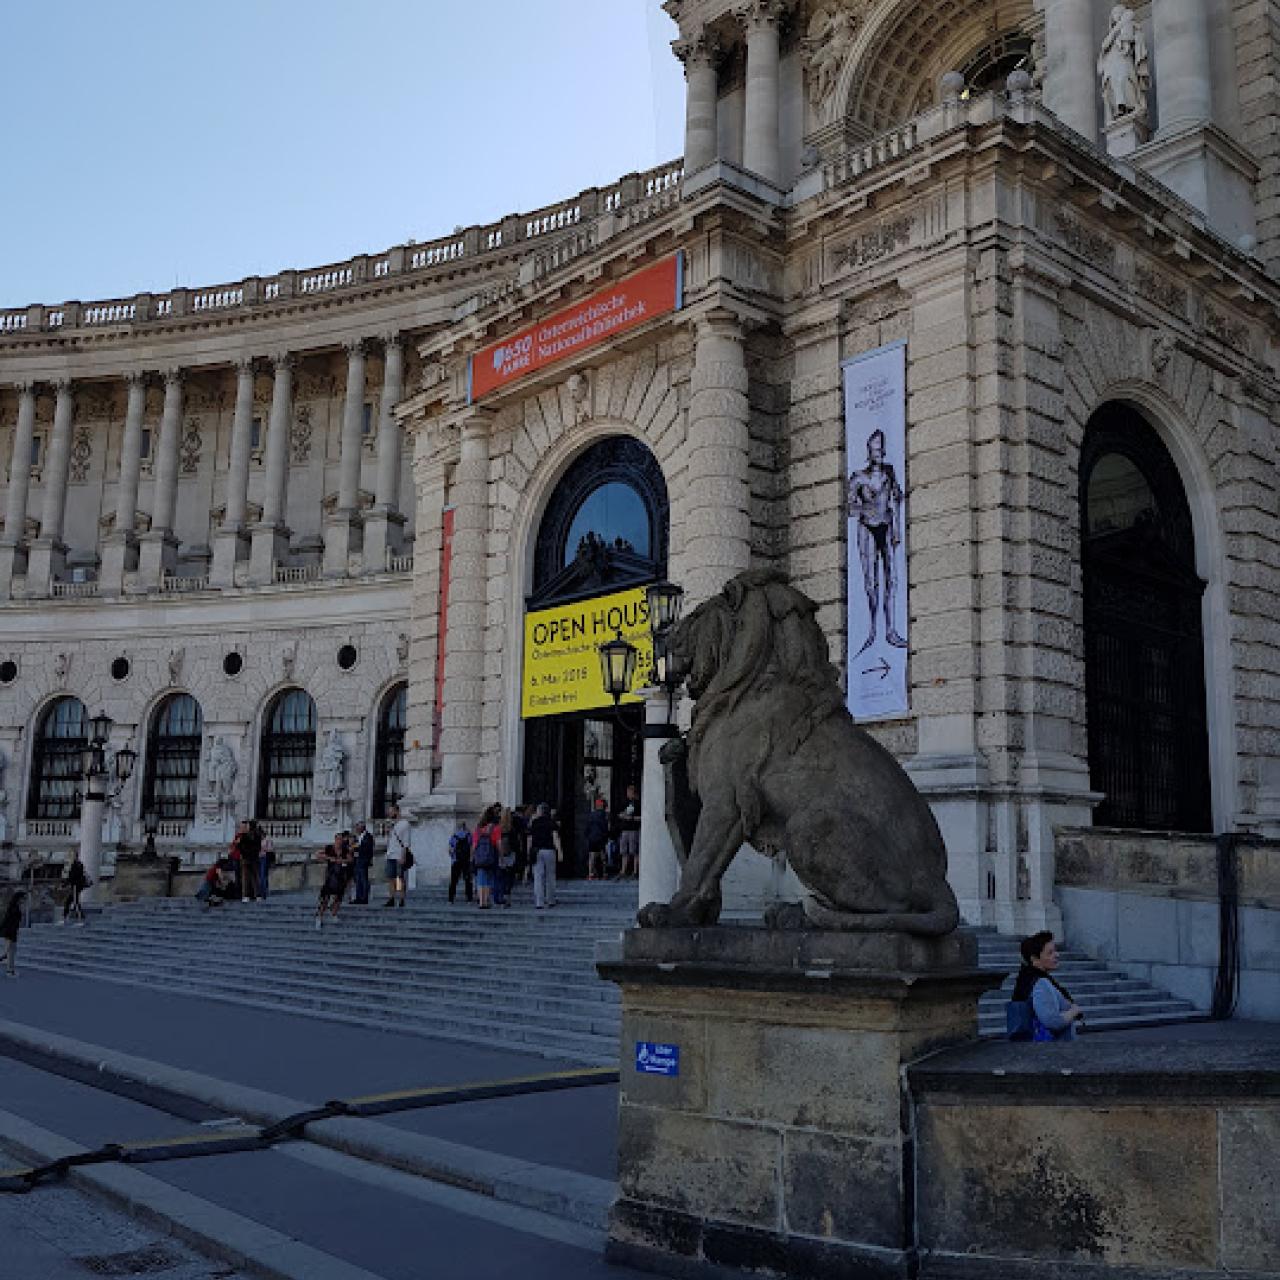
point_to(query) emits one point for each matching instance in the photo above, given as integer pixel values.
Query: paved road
(398, 1227)
(63, 1234)
(314, 1061)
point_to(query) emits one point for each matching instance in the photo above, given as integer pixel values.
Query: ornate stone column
(1181, 33)
(158, 548)
(760, 154)
(271, 535)
(1071, 79)
(342, 528)
(48, 555)
(717, 520)
(698, 53)
(120, 547)
(468, 600)
(13, 556)
(383, 523)
(231, 542)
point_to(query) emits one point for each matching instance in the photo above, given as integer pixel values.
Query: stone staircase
(518, 978)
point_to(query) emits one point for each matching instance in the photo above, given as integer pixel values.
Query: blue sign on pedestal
(657, 1059)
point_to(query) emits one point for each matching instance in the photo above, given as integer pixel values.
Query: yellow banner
(562, 652)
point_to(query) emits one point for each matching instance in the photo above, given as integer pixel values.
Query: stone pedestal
(383, 536)
(13, 561)
(138, 876)
(341, 539)
(1126, 134)
(769, 1130)
(229, 547)
(270, 548)
(157, 556)
(119, 556)
(46, 563)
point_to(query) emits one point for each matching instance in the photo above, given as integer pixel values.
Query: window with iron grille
(55, 765)
(388, 756)
(287, 758)
(173, 759)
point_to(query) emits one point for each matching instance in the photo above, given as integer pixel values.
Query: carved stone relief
(1093, 246)
(879, 242)
(300, 435)
(1150, 284)
(830, 35)
(191, 445)
(81, 455)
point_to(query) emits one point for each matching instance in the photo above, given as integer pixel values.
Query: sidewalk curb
(562, 1193)
(207, 1227)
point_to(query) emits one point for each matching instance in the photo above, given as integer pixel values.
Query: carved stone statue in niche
(1124, 68)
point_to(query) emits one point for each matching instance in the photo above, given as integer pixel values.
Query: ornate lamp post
(659, 867)
(618, 666)
(93, 768)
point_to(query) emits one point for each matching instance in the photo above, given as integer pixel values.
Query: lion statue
(774, 760)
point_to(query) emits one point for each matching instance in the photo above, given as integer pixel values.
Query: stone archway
(898, 54)
(1144, 643)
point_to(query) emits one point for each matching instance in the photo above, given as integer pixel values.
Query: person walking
(597, 839)
(10, 923)
(629, 833)
(77, 882)
(460, 861)
(399, 858)
(266, 860)
(484, 853)
(364, 862)
(250, 851)
(544, 845)
(1041, 1007)
(338, 859)
(505, 875)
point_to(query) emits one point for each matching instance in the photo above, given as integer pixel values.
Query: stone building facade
(1071, 217)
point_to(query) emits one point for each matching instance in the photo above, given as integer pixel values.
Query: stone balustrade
(463, 245)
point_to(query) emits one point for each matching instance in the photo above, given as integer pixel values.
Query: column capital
(700, 48)
(25, 387)
(283, 361)
(719, 322)
(475, 423)
(173, 377)
(63, 386)
(755, 15)
(245, 365)
(135, 378)
(355, 347)
(391, 338)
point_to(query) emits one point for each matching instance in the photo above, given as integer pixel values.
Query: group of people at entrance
(506, 847)
(348, 864)
(509, 846)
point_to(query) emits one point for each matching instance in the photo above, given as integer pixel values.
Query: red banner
(655, 291)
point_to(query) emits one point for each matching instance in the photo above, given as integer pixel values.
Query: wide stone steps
(517, 978)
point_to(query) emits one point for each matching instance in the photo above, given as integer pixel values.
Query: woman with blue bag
(1041, 1008)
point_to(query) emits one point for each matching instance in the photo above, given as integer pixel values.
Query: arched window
(287, 758)
(388, 754)
(55, 761)
(605, 527)
(1144, 649)
(173, 759)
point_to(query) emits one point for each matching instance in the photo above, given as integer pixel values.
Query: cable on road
(261, 1137)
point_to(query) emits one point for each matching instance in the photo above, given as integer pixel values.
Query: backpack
(485, 856)
(460, 846)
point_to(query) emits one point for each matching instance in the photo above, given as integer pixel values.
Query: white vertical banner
(875, 417)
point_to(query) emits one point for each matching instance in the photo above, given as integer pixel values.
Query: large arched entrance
(604, 533)
(1144, 647)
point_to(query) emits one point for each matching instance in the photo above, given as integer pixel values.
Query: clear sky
(153, 143)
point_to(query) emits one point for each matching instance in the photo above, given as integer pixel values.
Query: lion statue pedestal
(761, 1116)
